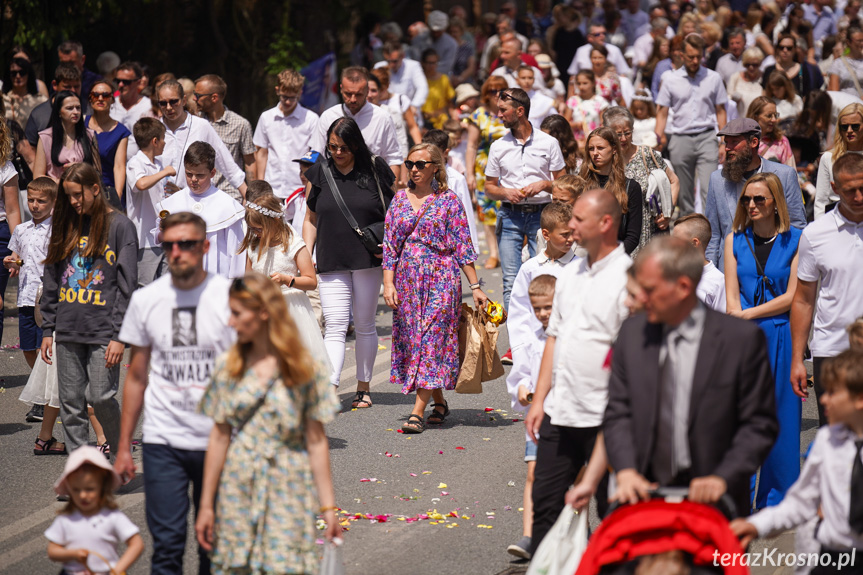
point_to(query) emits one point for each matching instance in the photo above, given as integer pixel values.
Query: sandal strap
(45, 444)
(414, 416)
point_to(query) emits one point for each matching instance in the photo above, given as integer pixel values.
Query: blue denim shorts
(29, 334)
(529, 451)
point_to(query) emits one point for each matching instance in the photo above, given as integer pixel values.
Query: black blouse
(630, 223)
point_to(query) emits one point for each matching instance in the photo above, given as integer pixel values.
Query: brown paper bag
(492, 367)
(470, 352)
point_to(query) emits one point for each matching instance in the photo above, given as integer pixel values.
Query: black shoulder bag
(372, 235)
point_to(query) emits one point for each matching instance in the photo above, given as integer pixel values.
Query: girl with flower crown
(275, 251)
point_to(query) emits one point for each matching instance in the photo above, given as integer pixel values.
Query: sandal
(105, 449)
(438, 416)
(48, 447)
(359, 400)
(414, 424)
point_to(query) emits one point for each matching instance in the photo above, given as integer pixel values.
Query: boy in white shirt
(695, 228)
(541, 105)
(831, 478)
(145, 185)
(521, 383)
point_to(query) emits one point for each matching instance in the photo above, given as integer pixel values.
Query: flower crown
(263, 211)
(643, 95)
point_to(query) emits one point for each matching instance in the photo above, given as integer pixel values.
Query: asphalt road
(472, 467)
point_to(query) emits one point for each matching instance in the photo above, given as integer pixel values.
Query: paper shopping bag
(471, 368)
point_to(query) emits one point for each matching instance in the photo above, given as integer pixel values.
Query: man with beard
(521, 168)
(742, 161)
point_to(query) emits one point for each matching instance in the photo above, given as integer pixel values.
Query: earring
(775, 210)
(435, 185)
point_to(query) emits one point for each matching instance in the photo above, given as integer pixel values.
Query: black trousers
(560, 455)
(817, 363)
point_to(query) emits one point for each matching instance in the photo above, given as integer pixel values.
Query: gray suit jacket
(732, 415)
(722, 199)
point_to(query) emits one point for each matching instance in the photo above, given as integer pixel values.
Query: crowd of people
(668, 189)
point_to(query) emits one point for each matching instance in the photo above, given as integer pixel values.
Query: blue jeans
(167, 473)
(512, 227)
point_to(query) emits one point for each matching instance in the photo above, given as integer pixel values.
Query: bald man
(589, 307)
(510, 61)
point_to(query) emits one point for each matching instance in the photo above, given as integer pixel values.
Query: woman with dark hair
(603, 168)
(20, 91)
(607, 81)
(113, 138)
(349, 268)
(66, 140)
(91, 270)
(806, 77)
(558, 127)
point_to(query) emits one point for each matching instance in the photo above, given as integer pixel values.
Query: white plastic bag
(333, 563)
(561, 550)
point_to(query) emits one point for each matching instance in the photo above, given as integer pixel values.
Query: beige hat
(79, 457)
(463, 92)
(544, 60)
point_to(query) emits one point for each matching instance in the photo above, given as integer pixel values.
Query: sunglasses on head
(507, 96)
(419, 164)
(173, 102)
(846, 127)
(184, 245)
(759, 200)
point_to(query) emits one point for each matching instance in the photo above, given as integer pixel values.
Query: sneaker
(35, 414)
(506, 359)
(520, 549)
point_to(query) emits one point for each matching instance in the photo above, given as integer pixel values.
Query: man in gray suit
(691, 399)
(742, 161)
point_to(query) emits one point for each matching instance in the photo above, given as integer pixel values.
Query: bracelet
(474, 286)
(326, 508)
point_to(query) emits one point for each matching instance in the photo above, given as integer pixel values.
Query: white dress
(276, 260)
(41, 388)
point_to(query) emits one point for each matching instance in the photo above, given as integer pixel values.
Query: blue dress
(108, 142)
(782, 465)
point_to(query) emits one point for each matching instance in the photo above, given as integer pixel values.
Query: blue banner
(320, 76)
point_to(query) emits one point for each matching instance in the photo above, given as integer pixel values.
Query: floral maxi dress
(266, 505)
(428, 284)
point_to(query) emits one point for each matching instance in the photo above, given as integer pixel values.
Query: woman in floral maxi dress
(426, 241)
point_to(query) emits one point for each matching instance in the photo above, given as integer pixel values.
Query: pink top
(777, 151)
(67, 155)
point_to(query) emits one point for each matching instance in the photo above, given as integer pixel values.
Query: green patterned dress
(490, 129)
(266, 503)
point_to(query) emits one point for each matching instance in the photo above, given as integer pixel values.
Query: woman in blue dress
(760, 279)
(113, 138)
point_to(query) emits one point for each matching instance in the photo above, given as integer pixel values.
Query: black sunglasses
(184, 245)
(13, 73)
(420, 164)
(785, 48)
(121, 81)
(759, 200)
(846, 127)
(173, 102)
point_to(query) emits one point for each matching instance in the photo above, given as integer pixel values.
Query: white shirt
(518, 165)
(643, 49)
(224, 217)
(186, 330)
(100, 532)
(409, 80)
(825, 480)
(521, 321)
(526, 360)
(458, 184)
(143, 109)
(141, 205)
(30, 241)
(511, 77)
(397, 105)
(589, 308)
(831, 250)
(711, 288)
(581, 60)
(727, 65)
(285, 138)
(693, 100)
(195, 129)
(541, 107)
(377, 127)
(7, 172)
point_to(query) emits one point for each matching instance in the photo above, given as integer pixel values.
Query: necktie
(664, 464)
(855, 514)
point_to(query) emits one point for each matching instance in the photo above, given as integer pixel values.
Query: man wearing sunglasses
(521, 168)
(596, 36)
(132, 105)
(176, 326)
(742, 161)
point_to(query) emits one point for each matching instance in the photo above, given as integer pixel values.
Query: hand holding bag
(372, 235)
(561, 550)
(333, 563)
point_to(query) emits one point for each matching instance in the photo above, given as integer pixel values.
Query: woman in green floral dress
(269, 394)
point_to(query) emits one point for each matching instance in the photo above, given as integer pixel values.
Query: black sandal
(359, 399)
(438, 417)
(414, 424)
(48, 447)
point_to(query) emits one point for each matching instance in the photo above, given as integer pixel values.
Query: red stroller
(666, 523)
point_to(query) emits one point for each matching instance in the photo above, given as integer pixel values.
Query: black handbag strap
(759, 267)
(257, 406)
(341, 201)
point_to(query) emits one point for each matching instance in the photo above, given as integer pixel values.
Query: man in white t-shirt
(830, 253)
(177, 326)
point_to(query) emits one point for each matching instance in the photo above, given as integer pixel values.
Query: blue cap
(311, 157)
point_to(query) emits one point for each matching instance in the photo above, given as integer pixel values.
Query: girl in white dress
(275, 251)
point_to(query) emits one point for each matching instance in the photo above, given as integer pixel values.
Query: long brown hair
(257, 292)
(69, 227)
(275, 231)
(755, 109)
(5, 136)
(617, 179)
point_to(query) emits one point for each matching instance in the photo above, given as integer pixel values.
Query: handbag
(658, 188)
(561, 550)
(760, 296)
(479, 360)
(333, 563)
(372, 236)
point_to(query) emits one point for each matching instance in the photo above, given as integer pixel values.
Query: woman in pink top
(66, 140)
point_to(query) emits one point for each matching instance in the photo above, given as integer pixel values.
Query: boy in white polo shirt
(695, 228)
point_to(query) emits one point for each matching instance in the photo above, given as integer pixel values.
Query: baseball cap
(86, 454)
(438, 21)
(311, 157)
(740, 127)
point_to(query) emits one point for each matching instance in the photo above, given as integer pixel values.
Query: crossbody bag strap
(339, 200)
(759, 267)
(378, 182)
(257, 406)
(853, 76)
(423, 211)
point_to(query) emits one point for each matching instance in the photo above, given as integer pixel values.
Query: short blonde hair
(783, 220)
(290, 81)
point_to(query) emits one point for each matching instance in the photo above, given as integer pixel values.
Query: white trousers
(340, 293)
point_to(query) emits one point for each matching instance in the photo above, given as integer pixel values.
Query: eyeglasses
(626, 134)
(199, 96)
(17, 73)
(101, 95)
(184, 245)
(419, 164)
(122, 81)
(846, 127)
(785, 48)
(337, 148)
(173, 103)
(759, 200)
(507, 96)
(286, 99)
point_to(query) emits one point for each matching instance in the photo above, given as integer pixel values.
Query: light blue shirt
(693, 100)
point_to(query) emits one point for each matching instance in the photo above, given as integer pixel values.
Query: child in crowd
(832, 476)
(458, 144)
(780, 89)
(145, 183)
(695, 228)
(85, 534)
(584, 109)
(521, 383)
(644, 111)
(295, 204)
(275, 250)
(566, 189)
(29, 245)
(541, 105)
